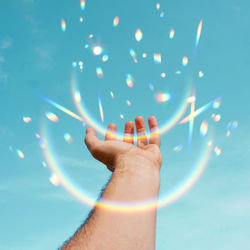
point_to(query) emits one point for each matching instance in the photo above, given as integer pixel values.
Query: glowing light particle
(132, 53)
(81, 19)
(184, 61)
(157, 6)
(178, 72)
(116, 21)
(216, 117)
(217, 103)
(99, 72)
(111, 94)
(74, 64)
(52, 117)
(20, 153)
(86, 46)
(163, 75)
(129, 80)
(26, 119)
(151, 86)
(54, 179)
(157, 58)
(83, 4)
(91, 36)
(105, 58)
(162, 97)
(128, 103)
(198, 36)
(97, 50)
(172, 33)
(231, 126)
(121, 116)
(138, 35)
(178, 148)
(144, 55)
(162, 14)
(68, 137)
(210, 143)
(63, 25)
(44, 164)
(42, 142)
(38, 136)
(200, 74)
(204, 128)
(100, 107)
(217, 151)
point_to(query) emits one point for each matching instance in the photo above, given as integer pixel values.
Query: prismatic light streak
(58, 106)
(100, 107)
(198, 35)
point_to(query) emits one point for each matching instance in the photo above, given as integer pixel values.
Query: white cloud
(44, 57)
(6, 43)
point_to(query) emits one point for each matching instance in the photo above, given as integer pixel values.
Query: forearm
(108, 229)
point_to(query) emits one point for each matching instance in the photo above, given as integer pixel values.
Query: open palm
(110, 150)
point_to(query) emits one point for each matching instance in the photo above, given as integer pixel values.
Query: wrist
(137, 167)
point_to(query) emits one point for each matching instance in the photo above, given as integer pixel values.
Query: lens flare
(116, 21)
(200, 74)
(128, 103)
(63, 25)
(133, 54)
(217, 151)
(83, 4)
(51, 116)
(157, 6)
(129, 80)
(163, 75)
(178, 148)
(204, 128)
(217, 103)
(157, 58)
(151, 86)
(68, 138)
(54, 179)
(172, 33)
(20, 153)
(112, 94)
(162, 97)
(105, 58)
(184, 61)
(138, 35)
(26, 119)
(99, 72)
(97, 50)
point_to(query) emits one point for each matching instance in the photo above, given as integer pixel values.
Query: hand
(111, 151)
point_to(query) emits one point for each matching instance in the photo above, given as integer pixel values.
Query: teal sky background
(36, 57)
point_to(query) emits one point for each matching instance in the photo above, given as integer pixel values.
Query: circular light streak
(165, 199)
(91, 121)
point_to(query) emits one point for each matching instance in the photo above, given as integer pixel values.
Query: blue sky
(36, 56)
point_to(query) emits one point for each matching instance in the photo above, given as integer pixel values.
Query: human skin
(136, 177)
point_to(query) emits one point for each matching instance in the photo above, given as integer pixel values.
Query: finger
(154, 131)
(111, 132)
(129, 132)
(141, 131)
(91, 139)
